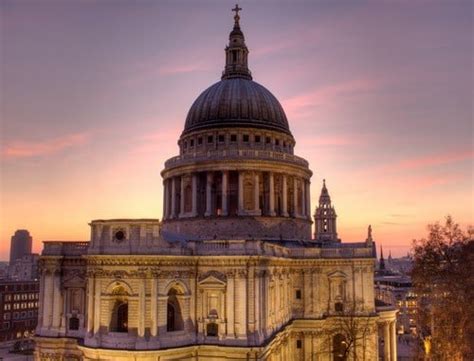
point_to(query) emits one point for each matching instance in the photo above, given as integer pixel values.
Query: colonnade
(181, 198)
(390, 340)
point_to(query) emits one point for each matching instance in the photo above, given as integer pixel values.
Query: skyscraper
(20, 245)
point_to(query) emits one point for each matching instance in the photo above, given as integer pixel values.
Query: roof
(236, 102)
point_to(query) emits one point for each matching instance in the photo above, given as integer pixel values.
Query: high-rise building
(21, 243)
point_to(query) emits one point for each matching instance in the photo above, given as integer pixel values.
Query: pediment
(337, 274)
(74, 280)
(212, 281)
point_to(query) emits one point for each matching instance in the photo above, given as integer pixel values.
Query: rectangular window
(245, 138)
(191, 142)
(298, 294)
(257, 139)
(210, 138)
(299, 344)
(199, 140)
(233, 137)
(221, 138)
(277, 141)
(268, 140)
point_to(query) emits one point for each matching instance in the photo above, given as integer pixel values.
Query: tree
(443, 279)
(348, 335)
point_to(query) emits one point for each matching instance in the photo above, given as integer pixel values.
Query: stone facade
(231, 272)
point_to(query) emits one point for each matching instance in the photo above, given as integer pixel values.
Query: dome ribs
(236, 102)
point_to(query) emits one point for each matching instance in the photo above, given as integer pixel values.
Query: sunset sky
(94, 94)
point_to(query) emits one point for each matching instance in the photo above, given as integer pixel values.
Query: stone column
(241, 306)
(141, 308)
(308, 200)
(65, 298)
(97, 295)
(230, 306)
(241, 193)
(56, 300)
(194, 200)
(257, 305)
(48, 305)
(181, 199)
(256, 193)
(208, 195)
(90, 304)
(165, 199)
(225, 183)
(393, 340)
(284, 196)
(271, 198)
(303, 198)
(386, 341)
(173, 198)
(295, 196)
(154, 307)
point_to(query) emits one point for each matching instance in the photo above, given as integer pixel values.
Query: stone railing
(250, 247)
(236, 247)
(64, 248)
(238, 154)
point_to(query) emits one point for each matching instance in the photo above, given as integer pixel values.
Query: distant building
(3, 270)
(393, 287)
(18, 309)
(21, 244)
(24, 268)
(397, 291)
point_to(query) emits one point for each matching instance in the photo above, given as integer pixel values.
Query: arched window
(339, 307)
(339, 347)
(119, 321)
(173, 314)
(212, 329)
(74, 323)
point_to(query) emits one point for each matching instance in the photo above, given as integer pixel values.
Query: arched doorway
(119, 320)
(174, 317)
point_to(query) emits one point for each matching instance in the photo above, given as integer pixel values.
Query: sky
(94, 95)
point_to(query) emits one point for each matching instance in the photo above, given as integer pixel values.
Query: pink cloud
(332, 140)
(300, 104)
(27, 149)
(431, 160)
(181, 69)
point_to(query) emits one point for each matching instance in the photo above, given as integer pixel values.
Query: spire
(325, 218)
(382, 261)
(236, 52)
(324, 197)
(369, 239)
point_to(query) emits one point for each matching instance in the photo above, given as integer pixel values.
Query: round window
(119, 235)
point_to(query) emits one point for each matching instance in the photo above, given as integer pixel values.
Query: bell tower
(325, 218)
(236, 65)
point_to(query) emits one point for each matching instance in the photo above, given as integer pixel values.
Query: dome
(236, 102)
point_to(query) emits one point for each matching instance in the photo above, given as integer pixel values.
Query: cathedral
(232, 271)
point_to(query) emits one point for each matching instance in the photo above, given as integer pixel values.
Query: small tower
(236, 65)
(325, 218)
(382, 260)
